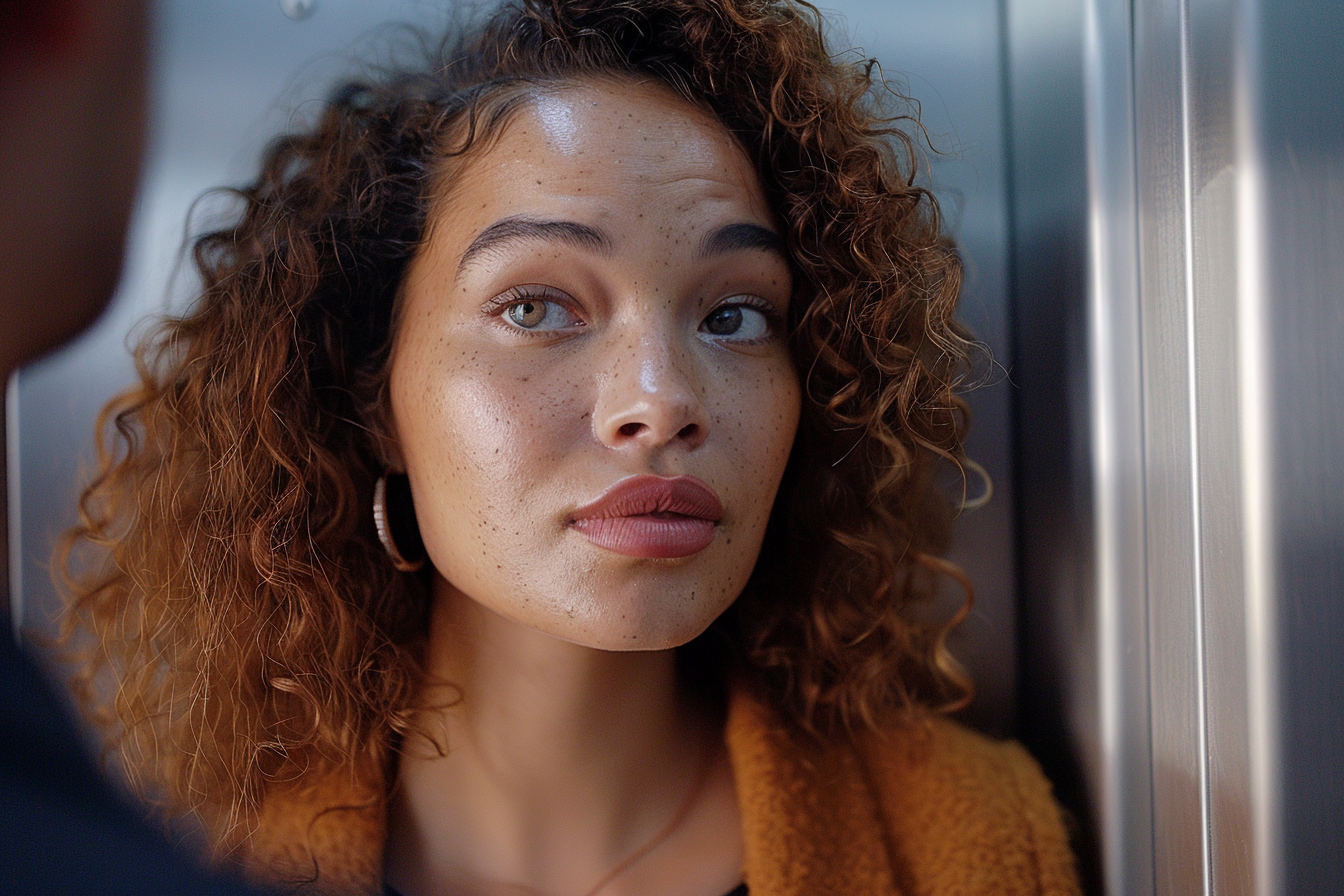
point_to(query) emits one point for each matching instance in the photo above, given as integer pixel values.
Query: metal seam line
(1192, 388)
(1142, 397)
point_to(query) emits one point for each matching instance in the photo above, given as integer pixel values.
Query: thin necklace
(687, 803)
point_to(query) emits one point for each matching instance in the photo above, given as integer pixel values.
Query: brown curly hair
(226, 563)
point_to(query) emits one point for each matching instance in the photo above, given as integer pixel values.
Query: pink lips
(651, 517)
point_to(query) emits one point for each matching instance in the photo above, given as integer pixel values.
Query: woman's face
(590, 385)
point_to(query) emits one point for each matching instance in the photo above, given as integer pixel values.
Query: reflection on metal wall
(1181, 270)
(1294, 332)
(1063, 556)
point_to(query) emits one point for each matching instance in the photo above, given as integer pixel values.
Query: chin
(631, 609)
(631, 625)
(642, 639)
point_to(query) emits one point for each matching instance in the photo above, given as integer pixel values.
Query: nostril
(688, 431)
(631, 429)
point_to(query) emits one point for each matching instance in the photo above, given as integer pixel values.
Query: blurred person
(539, 496)
(72, 120)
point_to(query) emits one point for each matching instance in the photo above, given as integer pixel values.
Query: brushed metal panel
(1306, 264)
(1238, 166)
(1209, 669)
(1060, 699)
(1300, 129)
(1116, 382)
(1176, 644)
(1255, 397)
(1212, 157)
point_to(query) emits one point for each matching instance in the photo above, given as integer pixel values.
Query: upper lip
(639, 495)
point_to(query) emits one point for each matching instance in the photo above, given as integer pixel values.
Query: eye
(534, 313)
(739, 322)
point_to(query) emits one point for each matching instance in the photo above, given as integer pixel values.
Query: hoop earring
(384, 522)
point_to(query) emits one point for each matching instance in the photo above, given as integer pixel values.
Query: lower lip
(653, 536)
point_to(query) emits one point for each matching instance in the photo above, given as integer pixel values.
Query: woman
(538, 498)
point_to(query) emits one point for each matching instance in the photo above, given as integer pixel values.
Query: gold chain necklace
(687, 803)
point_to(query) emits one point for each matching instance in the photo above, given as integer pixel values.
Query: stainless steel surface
(1171, 440)
(1121, 774)
(1214, 219)
(1219, 448)
(1296, 89)
(1067, 632)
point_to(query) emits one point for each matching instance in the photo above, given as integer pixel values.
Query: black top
(62, 829)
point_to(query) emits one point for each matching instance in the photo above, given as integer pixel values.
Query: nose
(650, 397)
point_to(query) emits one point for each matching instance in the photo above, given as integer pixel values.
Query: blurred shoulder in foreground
(72, 122)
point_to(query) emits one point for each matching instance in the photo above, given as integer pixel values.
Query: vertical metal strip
(1116, 418)
(1255, 393)
(1192, 408)
(1178, 711)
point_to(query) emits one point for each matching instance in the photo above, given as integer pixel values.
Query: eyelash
(756, 303)
(512, 296)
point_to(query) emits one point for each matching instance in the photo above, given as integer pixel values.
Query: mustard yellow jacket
(931, 808)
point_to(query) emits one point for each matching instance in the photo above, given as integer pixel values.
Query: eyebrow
(519, 228)
(729, 238)
(742, 237)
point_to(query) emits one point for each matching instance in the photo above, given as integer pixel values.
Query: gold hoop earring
(383, 521)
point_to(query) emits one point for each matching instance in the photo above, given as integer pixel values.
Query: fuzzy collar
(928, 808)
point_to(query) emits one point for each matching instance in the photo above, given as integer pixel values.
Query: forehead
(598, 149)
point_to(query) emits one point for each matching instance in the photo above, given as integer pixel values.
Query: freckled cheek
(759, 420)
(501, 429)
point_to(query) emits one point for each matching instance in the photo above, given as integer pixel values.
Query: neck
(561, 760)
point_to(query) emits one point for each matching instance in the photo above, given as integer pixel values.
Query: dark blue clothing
(741, 890)
(62, 828)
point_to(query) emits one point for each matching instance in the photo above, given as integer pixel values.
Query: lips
(651, 517)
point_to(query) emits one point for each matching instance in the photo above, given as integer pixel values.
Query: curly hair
(226, 565)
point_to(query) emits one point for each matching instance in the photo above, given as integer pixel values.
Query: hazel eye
(527, 314)
(738, 322)
(538, 315)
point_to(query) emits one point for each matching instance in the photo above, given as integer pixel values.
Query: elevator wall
(1176, 232)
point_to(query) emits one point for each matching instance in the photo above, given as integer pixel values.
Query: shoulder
(967, 813)
(926, 807)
